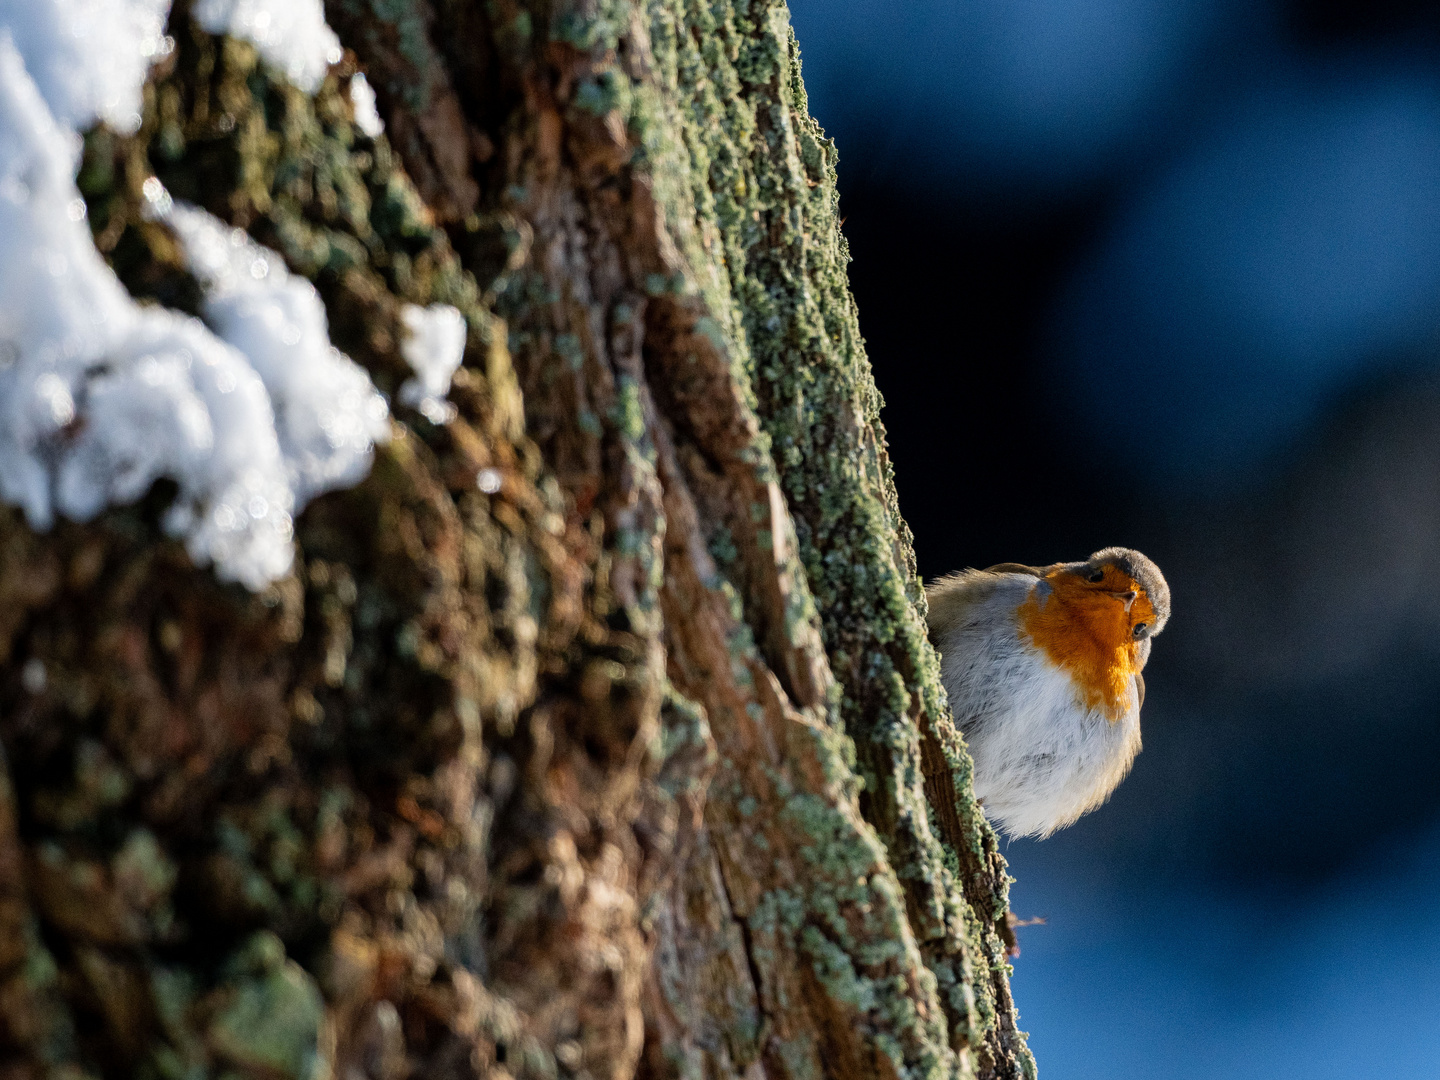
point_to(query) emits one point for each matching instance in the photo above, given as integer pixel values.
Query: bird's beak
(1127, 597)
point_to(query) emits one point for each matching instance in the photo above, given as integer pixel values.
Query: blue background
(1166, 273)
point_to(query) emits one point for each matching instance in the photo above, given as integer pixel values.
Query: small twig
(1012, 922)
(1038, 920)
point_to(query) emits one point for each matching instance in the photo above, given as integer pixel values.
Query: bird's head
(1119, 593)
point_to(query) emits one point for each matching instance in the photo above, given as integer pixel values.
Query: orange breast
(1089, 634)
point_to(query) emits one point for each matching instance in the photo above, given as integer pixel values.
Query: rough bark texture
(637, 765)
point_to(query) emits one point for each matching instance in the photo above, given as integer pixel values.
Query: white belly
(1041, 757)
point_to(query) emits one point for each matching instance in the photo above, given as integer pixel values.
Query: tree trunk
(594, 734)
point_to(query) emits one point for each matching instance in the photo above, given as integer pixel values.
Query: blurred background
(1166, 273)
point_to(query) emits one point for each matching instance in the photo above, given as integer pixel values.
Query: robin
(1042, 666)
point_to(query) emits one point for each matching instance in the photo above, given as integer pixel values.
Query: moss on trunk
(596, 733)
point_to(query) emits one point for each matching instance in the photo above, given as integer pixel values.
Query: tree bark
(596, 733)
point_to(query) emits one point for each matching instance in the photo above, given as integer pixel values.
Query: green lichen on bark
(757, 213)
(639, 762)
(849, 901)
(818, 401)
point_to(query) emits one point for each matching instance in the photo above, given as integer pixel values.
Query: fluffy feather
(1045, 752)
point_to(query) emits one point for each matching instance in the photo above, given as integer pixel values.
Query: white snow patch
(100, 397)
(362, 100)
(433, 348)
(89, 57)
(328, 414)
(291, 34)
(177, 402)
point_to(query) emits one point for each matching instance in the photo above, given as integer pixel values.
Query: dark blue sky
(1271, 228)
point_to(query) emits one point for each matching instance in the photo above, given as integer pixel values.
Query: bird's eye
(1139, 628)
(1096, 576)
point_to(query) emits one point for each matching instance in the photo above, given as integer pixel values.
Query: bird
(1042, 668)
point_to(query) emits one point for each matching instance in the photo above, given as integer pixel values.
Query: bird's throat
(1089, 636)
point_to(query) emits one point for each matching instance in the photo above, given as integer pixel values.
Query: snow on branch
(328, 414)
(433, 347)
(292, 35)
(250, 415)
(89, 57)
(362, 100)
